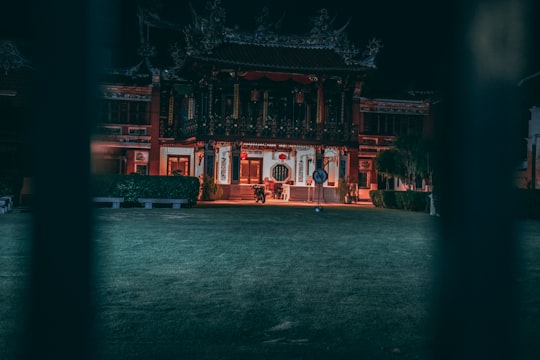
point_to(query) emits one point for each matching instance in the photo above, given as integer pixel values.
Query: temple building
(250, 107)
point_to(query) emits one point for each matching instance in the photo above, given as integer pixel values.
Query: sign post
(319, 176)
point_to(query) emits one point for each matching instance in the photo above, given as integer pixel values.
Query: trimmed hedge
(404, 200)
(132, 187)
(527, 201)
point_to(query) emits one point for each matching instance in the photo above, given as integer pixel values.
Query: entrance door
(250, 171)
(178, 165)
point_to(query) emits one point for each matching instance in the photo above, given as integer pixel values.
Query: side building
(382, 120)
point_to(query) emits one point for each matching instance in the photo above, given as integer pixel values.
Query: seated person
(270, 185)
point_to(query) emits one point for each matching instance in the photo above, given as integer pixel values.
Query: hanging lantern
(255, 95)
(243, 155)
(299, 97)
(282, 157)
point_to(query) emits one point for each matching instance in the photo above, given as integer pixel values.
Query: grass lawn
(260, 282)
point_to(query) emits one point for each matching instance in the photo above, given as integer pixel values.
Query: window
(280, 172)
(137, 131)
(141, 169)
(125, 112)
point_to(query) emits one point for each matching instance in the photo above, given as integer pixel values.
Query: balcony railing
(374, 143)
(271, 129)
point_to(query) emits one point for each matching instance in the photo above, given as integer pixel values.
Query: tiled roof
(248, 57)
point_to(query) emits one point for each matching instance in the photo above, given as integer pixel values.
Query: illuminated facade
(381, 120)
(251, 107)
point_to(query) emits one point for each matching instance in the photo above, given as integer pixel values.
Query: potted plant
(343, 190)
(210, 191)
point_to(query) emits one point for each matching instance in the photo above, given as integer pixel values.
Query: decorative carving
(372, 49)
(204, 34)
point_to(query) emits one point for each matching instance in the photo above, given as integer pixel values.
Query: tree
(388, 164)
(425, 159)
(407, 145)
(412, 156)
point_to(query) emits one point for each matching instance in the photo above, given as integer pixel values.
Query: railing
(275, 129)
(124, 139)
(374, 143)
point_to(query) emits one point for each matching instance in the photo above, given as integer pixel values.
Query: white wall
(223, 168)
(305, 164)
(332, 159)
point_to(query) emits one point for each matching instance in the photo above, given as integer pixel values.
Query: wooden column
(154, 155)
(353, 165)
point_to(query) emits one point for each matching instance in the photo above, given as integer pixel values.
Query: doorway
(250, 171)
(178, 165)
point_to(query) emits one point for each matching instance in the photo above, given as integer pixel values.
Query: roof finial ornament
(266, 30)
(217, 14)
(205, 33)
(321, 23)
(372, 49)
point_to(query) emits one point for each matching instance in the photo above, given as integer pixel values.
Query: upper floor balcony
(256, 129)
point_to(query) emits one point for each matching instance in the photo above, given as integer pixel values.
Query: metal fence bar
(475, 312)
(61, 307)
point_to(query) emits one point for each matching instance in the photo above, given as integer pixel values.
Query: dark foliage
(132, 187)
(405, 200)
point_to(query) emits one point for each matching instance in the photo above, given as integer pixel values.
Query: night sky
(417, 35)
(414, 33)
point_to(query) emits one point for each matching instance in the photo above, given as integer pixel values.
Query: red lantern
(299, 97)
(243, 155)
(255, 95)
(282, 156)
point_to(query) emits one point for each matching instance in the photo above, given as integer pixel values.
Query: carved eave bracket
(370, 53)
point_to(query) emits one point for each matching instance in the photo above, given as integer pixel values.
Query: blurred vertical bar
(60, 322)
(475, 315)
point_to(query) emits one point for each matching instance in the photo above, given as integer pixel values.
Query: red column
(153, 160)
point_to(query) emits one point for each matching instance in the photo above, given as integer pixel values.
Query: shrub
(210, 190)
(134, 186)
(406, 200)
(343, 189)
(412, 200)
(383, 198)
